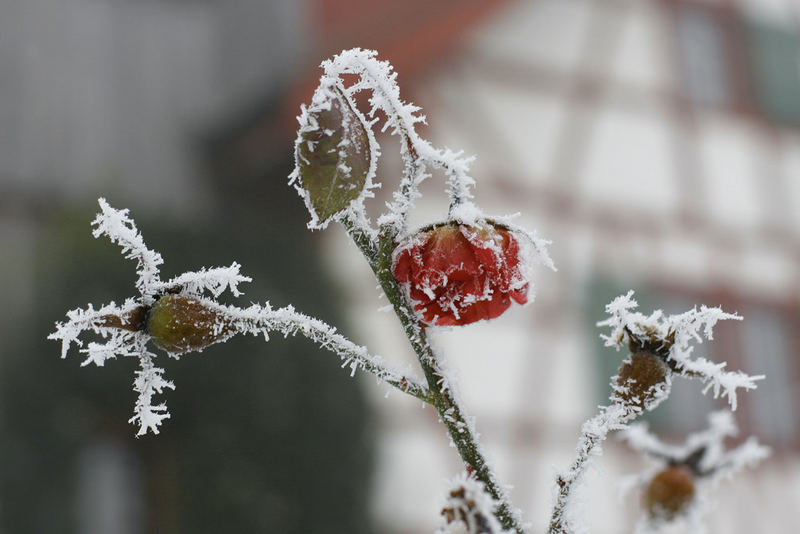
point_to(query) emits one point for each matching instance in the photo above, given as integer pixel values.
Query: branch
(263, 319)
(121, 230)
(593, 433)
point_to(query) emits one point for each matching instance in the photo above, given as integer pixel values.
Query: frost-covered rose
(456, 274)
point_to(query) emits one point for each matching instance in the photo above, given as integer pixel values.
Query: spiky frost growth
(178, 317)
(671, 336)
(123, 326)
(660, 346)
(380, 81)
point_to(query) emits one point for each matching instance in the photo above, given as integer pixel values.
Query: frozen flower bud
(456, 274)
(640, 380)
(670, 492)
(332, 155)
(178, 324)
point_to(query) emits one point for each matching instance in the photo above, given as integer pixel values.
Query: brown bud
(178, 324)
(669, 493)
(638, 379)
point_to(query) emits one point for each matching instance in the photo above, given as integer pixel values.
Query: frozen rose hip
(181, 324)
(670, 492)
(457, 274)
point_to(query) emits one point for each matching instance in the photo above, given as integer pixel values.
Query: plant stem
(593, 433)
(453, 416)
(289, 322)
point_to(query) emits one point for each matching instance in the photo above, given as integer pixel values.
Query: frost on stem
(670, 337)
(676, 486)
(469, 508)
(179, 317)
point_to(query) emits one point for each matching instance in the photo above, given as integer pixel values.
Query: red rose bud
(178, 324)
(456, 274)
(669, 493)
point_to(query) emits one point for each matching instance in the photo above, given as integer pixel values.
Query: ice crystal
(110, 322)
(379, 79)
(672, 335)
(123, 329)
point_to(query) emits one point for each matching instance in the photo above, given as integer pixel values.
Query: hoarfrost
(331, 87)
(123, 328)
(149, 381)
(674, 333)
(712, 460)
(469, 508)
(379, 79)
(703, 454)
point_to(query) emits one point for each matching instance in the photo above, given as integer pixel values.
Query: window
(701, 47)
(775, 62)
(729, 60)
(766, 346)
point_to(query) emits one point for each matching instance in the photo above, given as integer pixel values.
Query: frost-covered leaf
(332, 155)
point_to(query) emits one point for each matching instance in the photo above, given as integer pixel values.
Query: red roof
(412, 34)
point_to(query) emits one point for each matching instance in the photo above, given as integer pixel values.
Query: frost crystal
(148, 382)
(190, 321)
(673, 335)
(123, 326)
(378, 78)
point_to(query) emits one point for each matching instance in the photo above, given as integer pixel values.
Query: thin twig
(593, 433)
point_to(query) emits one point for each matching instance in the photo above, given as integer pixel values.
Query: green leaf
(333, 155)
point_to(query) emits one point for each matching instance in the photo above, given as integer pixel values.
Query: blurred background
(655, 142)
